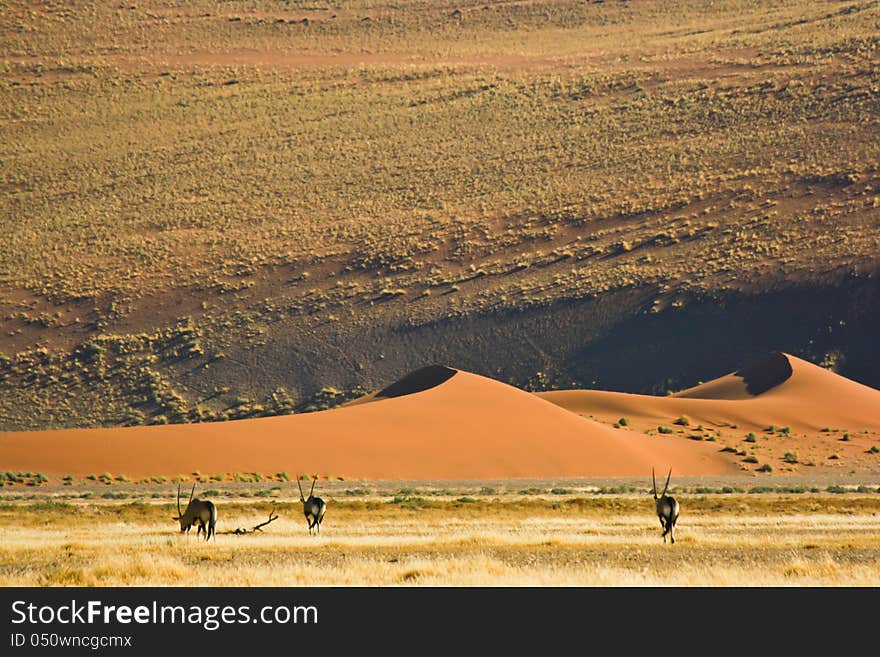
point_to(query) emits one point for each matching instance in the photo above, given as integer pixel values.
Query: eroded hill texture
(213, 210)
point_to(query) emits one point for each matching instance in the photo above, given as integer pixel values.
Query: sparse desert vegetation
(204, 204)
(454, 535)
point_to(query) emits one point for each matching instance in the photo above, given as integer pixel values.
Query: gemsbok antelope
(313, 507)
(198, 511)
(667, 508)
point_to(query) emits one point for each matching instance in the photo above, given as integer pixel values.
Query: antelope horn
(653, 479)
(191, 494)
(298, 485)
(667, 482)
(179, 513)
(314, 481)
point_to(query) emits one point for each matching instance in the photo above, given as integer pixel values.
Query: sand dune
(781, 390)
(436, 423)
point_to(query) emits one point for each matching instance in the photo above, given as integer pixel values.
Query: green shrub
(765, 468)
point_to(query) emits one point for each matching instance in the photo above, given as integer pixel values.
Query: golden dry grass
(730, 540)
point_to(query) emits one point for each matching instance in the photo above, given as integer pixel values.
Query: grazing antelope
(313, 507)
(198, 511)
(667, 508)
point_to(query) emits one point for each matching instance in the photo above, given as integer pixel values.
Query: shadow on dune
(420, 380)
(765, 374)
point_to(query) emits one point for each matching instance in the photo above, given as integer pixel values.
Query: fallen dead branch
(256, 528)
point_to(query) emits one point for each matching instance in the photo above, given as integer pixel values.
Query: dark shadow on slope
(767, 373)
(418, 381)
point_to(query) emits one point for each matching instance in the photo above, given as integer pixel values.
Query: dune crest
(750, 381)
(416, 381)
(782, 390)
(465, 427)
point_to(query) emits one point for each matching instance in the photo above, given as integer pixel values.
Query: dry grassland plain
(218, 210)
(455, 536)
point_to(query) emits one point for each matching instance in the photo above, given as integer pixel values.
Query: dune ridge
(464, 427)
(780, 390)
(751, 381)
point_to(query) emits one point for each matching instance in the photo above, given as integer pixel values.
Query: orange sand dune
(435, 424)
(781, 390)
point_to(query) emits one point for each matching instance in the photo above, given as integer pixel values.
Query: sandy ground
(440, 423)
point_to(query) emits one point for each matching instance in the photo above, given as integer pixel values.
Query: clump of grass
(873, 450)
(844, 437)
(765, 468)
(751, 437)
(750, 459)
(613, 490)
(682, 420)
(662, 429)
(623, 421)
(790, 457)
(409, 501)
(559, 491)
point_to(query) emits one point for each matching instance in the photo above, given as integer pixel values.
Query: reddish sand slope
(782, 390)
(440, 424)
